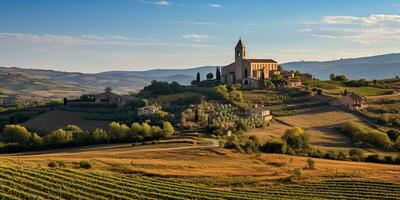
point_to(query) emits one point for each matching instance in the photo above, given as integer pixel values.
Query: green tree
(210, 76)
(36, 140)
(218, 74)
(100, 135)
(198, 77)
(168, 129)
(146, 130)
(59, 137)
(296, 139)
(107, 89)
(118, 131)
(78, 135)
(16, 133)
(332, 76)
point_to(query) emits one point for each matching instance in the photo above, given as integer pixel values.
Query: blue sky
(102, 35)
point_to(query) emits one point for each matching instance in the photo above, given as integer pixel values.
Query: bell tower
(240, 51)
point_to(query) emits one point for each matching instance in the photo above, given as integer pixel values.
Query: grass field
(58, 119)
(362, 91)
(319, 123)
(201, 160)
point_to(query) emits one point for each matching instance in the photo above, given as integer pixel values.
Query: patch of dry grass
(189, 160)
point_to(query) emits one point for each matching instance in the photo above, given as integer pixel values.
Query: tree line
(19, 138)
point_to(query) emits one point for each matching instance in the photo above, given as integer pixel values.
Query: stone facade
(109, 97)
(247, 71)
(353, 102)
(261, 112)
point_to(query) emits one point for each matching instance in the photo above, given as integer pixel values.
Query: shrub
(100, 135)
(330, 155)
(252, 145)
(296, 139)
(118, 131)
(16, 133)
(296, 174)
(58, 137)
(78, 135)
(234, 143)
(356, 155)
(373, 158)
(274, 146)
(364, 134)
(310, 163)
(85, 164)
(56, 163)
(168, 129)
(388, 159)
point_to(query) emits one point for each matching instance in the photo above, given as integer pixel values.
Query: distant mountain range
(36, 83)
(374, 67)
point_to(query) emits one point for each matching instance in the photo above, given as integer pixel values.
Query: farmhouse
(112, 98)
(148, 110)
(353, 102)
(293, 83)
(248, 71)
(261, 112)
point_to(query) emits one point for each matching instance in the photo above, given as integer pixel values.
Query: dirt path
(396, 94)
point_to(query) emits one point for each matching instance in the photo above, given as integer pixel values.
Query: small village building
(294, 83)
(353, 102)
(108, 97)
(289, 74)
(112, 98)
(261, 112)
(148, 110)
(247, 72)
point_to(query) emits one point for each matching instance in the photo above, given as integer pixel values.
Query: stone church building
(247, 71)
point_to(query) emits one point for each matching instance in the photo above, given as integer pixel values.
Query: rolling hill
(374, 67)
(37, 83)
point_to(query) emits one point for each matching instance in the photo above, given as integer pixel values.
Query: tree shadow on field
(330, 137)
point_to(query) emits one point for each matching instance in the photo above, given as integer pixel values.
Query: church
(248, 71)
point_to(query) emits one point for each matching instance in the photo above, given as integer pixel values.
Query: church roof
(239, 44)
(261, 60)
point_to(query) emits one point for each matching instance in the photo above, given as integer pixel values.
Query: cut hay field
(201, 160)
(55, 119)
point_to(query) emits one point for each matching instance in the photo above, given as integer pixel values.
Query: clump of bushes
(56, 164)
(17, 137)
(85, 164)
(364, 136)
(310, 164)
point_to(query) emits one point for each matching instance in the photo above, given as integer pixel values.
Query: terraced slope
(44, 183)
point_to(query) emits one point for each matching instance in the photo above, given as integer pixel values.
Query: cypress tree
(198, 77)
(218, 74)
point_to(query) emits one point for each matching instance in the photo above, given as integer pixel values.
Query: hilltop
(373, 67)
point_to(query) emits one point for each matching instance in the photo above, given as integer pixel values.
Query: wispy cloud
(161, 3)
(196, 37)
(376, 28)
(62, 41)
(214, 5)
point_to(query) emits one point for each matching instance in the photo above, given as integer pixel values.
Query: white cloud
(362, 36)
(22, 40)
(214, 5)
(161, 3)
(367, 21)
(196, 37)
(372, 29)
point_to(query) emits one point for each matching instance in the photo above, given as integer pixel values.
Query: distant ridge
(373, 67)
